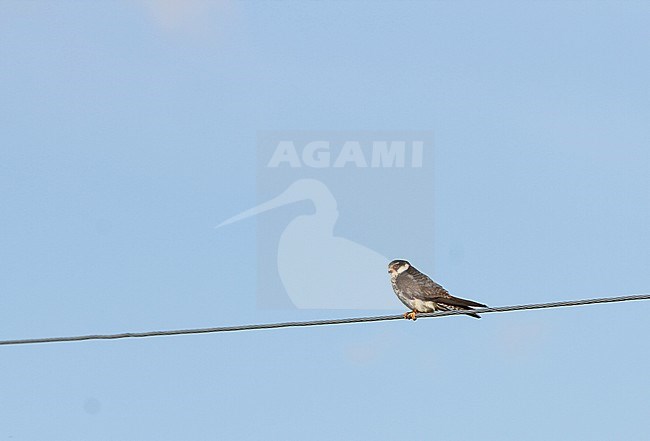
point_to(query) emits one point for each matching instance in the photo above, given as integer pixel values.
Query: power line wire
(342, 321)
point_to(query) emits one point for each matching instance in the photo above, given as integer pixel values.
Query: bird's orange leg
(410, 315)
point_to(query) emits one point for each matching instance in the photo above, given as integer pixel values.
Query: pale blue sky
(128, 131)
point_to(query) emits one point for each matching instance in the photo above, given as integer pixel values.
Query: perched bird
(421, 294)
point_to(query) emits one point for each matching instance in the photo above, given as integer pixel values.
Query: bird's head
(397, 267)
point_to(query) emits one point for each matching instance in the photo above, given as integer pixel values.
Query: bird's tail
(455, 303)
(457, 308)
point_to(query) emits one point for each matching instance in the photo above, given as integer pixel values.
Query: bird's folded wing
(455, 301)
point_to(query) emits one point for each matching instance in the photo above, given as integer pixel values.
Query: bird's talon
(410, 315)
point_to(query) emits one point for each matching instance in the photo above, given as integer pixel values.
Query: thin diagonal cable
(342, 321)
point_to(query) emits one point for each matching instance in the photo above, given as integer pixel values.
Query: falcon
(421, 294)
